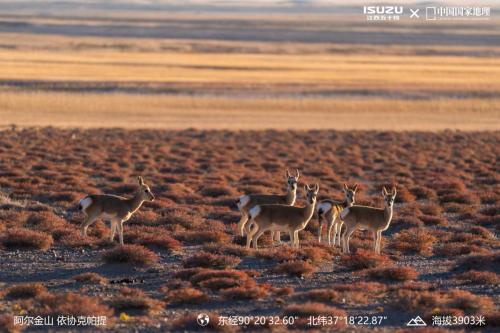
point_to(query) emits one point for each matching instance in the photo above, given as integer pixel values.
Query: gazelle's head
(145, 191)
(389, 197)
(349, 194)
(311, 193)
(292, 181)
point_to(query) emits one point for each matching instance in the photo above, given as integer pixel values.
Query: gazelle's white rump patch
(254, 212)
(324, 207)
(85, 203)
(244, 200)
(344, 213)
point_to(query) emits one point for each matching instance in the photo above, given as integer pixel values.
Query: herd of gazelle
(263, 212)
(276, 213)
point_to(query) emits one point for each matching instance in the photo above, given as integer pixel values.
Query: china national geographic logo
(396, 13)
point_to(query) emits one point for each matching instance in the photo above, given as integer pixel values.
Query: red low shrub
(478, 277)
(457, 249)
(44, 221)
(209, 260)
(227, 249)
(186, 295)
(392, 273)
(297, 268)
(481, 262)
(130, 254)
(363, 259)
(429, 303)
(26, 239)
(26, 290)
(201, 237)
(434, 220)
(163, 242)
(90, 278)
(413, 241)
(245, 292)
(135, 301)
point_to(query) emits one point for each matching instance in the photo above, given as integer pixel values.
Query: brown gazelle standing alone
(113, 208)
(247, 202)
(368, 218)
(282, 218)
(329, 211)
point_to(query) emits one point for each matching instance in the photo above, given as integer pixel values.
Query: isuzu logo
(383, 10)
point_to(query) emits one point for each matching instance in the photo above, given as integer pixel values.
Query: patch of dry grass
(26, 239)
(130, 254)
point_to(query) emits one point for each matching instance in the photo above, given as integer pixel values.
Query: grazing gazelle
(329, 210)
(116, 209)
(368, 218)
(282, 218)
(247, 202)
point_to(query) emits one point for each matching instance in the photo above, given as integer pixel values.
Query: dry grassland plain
(208, 105)
(248, 72)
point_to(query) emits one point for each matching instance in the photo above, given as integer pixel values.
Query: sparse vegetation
(27, 290)
(90, 278)
(363, 259)
(297, 268)
(26, 239)
(413, 241)
(209, 260)
(130, 254)
(183, 255)
(392, 273)
(132, 300)
(428, 303)
(186, 295)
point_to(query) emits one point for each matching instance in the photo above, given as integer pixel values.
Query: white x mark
(414, 13)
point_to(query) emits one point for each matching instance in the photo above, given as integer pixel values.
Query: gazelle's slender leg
(248, 225)
(251, 232)
(342, 236)
(241, 224)
(379, 240)
(320, 229)
(119, 226)
(290, 232)
(336, 233)
(348, 238)
(277, 237)
(331, 223)
(296, 238)
(113, 228)
(340, 223)
(89, 219)
(256, 237)
(375, 240)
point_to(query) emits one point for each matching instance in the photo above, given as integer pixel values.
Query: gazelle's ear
(394, 191)
(141, 181)
(316, 188)
(384, 191)
(287, 173)
(345, 187)
(298, 174)
(355, 188)
(306, 188)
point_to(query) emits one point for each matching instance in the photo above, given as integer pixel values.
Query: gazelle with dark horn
(282, 218)
(368, 218)
(329, 211)
(247, 202)
(113, 208)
